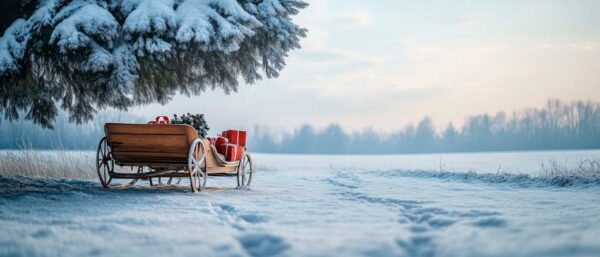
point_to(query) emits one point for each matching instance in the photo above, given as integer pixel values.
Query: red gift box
(237, 137)
(231, 152)
(162, 120)
(218, 141)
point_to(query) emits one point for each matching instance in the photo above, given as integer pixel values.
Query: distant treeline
(558, 125)
(23, 134)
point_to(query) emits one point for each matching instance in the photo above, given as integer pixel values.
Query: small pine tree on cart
(199, 123)
(195, 120)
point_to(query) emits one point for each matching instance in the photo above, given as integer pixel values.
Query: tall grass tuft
(586, 171)
(589, 168)
(52, 164)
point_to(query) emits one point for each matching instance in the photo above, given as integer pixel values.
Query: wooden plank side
(149, 143)
(226, 169)
(153, 154)
(166, 150)
(151, 130)
(149, 157)
(125, 128)
(210, 159)
(152, 162)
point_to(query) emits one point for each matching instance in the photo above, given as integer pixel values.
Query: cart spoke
(105, 172)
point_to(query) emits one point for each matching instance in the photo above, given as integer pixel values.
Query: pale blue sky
(387, 64)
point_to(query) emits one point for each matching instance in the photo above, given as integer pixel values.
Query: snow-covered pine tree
(85, 55)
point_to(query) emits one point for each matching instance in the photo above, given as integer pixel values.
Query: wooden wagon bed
(165, 151)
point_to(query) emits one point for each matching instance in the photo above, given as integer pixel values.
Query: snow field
(303, 206)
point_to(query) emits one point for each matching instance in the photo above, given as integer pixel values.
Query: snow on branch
(85, 55)
(12, 47)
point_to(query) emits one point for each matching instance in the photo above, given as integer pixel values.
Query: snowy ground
(318, 206)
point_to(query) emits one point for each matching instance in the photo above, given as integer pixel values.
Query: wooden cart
(165, 152)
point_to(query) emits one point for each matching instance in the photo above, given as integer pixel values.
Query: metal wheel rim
(198, 176)
(104, 163)
(199, 179)
(245, 171)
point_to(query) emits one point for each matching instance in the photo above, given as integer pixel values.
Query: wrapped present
(162, 120)
(232, 152)
(219, 141)
(237, 137)
(216, 141)
(211, 140)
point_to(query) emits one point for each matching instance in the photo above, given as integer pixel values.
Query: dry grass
(588, 168)
(81, 165)
(52, 164)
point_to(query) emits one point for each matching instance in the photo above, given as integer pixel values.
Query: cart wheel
(105, 164)
(197, 166)
(244, 171)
